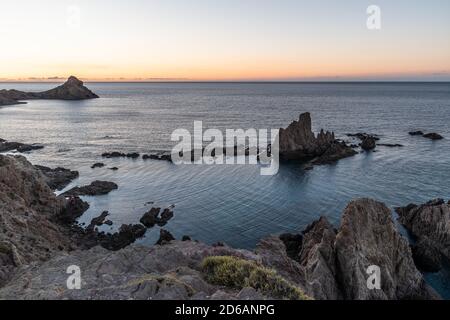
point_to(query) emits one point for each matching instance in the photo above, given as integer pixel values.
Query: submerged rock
(416, 133)
(94, 189)
(433, 136)
(298, 142)
(429, 223)
(97, 165)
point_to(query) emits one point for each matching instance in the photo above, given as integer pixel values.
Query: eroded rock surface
(429, 223)
(333, 264)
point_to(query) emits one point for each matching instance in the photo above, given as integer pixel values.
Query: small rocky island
(40, 239)
(298, 142)
(72, 89)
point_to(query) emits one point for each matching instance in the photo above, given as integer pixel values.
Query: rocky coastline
(40, 239)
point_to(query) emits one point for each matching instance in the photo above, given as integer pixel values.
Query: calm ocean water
(235, 204)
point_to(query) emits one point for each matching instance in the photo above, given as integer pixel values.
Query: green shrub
(238, 273)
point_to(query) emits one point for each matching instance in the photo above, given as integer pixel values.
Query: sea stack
(298, 142)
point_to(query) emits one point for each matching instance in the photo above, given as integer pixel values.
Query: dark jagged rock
(159, 156)
(98, 221)
(433, 136)
(152, 217)
(293, 243)
(114, 154)
(298, 142)
(58, 178)
(368, 144)
(94, 189)
(75, 207)
(362, 136)
(72, 89)
(6, 146)
(416, 133)
(133, 155)
(97, 165)
(430, 225)
(186, 238)
(164, 237)
(114, 168)
(426, 256)
(128, 233)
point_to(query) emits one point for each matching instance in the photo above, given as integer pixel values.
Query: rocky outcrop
(27, 207)
(333, 264)
(7, 146)
(429, 224)
(298, 142)
(153, 217)
(368, 144)
(94, 189)
(72, 89)
(57, 178)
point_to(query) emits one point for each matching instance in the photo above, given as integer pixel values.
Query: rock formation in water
(298, 142)
(57, 178)
(429, 223)
(72, 89)
(7, 146)
(96, 188)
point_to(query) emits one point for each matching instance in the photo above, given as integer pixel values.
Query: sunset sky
(224, 40)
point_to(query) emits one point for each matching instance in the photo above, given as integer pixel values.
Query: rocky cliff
(72, 89)
(298, 142)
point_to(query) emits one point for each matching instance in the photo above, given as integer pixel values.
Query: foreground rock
(333, 264)
(430, 225)
(58, 178)
(298, 142)
(96, 188)
(72, 89)
(27, 206)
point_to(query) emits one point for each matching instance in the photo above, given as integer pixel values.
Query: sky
(224, 40)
